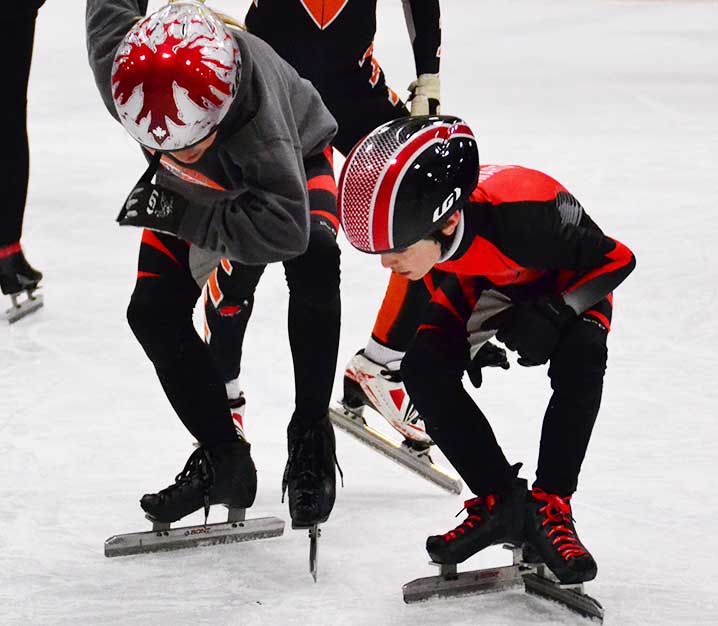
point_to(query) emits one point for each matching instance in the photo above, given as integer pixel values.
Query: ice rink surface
(618, 101)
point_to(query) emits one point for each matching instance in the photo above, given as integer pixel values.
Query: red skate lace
(558, 513)
(472, 520)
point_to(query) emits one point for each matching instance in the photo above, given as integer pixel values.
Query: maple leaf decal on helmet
(174, 76)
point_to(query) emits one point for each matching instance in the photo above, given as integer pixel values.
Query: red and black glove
(533, 329)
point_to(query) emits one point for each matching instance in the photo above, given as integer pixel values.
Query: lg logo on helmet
(441, 210)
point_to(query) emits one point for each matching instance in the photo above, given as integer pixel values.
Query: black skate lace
(391, 375)
(307, 464)
(199, 465)
(557, 514)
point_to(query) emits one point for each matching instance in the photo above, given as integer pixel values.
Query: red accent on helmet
(175, 75)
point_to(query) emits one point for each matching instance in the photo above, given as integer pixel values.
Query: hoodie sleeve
(263, 220)
(107, 22)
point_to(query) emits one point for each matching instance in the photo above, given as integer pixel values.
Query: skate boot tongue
(557, 513)
(550, 530)
(177, 500)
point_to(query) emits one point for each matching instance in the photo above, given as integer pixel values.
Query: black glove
(533, 329)
(489, 355)
(154, 207)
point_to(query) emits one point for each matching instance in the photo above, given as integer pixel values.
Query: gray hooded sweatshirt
(256, 208)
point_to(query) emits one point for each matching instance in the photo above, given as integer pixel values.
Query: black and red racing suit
(522, 236)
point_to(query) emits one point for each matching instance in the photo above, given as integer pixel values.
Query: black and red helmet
(404, 179)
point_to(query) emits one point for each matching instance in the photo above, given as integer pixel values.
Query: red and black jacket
(327, 39)
(524, 234)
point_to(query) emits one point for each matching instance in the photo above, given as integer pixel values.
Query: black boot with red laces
(493, 519)
(551, 532)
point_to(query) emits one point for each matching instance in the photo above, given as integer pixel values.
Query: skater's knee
(581, 357)
(434, 362)
(154, 324)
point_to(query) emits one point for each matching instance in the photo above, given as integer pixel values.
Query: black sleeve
(423, 19)
(559, 235)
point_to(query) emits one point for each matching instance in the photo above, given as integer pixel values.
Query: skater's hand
(154, 207)
(533, 329)
(489, 355)
(425, 95)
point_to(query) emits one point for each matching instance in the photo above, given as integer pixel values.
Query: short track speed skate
(20, 281)
(310, 480)
(368, 384)
(220, 474)
(527, 572)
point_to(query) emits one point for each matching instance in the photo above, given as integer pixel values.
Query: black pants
(314, 302)
(17, 35)
(160, 315)
(432, 370)
(313, 319)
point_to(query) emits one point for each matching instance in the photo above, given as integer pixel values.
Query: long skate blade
(570, 596)
(23, 308)
(463, 584)
(415, 461)
(193, 536)
(314, 533)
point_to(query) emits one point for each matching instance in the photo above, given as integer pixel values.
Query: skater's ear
(452, 222)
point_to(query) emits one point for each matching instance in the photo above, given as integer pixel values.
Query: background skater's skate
(220, 474)
(19, 280)
(310, 479)
(380, 388)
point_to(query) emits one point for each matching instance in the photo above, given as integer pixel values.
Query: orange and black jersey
(327, 39)
(524, 234)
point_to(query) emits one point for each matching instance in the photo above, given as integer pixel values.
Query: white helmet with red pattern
(404, 179)
(175, 76)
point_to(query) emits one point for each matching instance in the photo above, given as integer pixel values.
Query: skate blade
(450, 584)
(417, 462)
(167, 539)
(23, 308)
(570, 596)
(314, 533)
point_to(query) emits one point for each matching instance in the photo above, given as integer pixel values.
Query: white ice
(617, 100)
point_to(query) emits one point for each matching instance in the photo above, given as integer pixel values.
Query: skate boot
(551, 532)
(309, 476)
(493, 518)
(220, 474)
(16, 274)
(380, 387)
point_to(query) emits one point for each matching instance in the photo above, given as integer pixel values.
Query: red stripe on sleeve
(323, 182)
(7, 251)
(620, 257)
(600, 317)
(330, 216)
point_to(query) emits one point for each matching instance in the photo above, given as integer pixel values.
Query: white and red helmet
(404, 179)
(175, 76)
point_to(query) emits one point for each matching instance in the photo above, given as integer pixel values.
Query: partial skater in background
(17, 35)
(333, 47)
